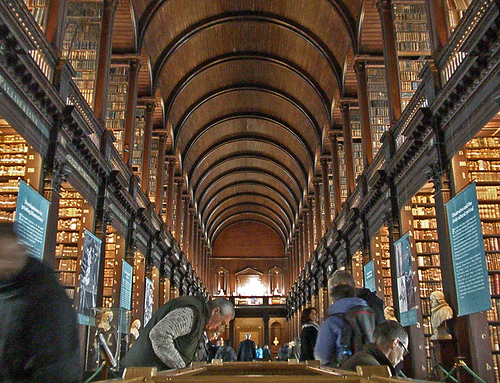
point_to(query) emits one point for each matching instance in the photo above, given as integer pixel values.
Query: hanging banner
(406, 282)
(126, 289)
(369, 275)
(31, 219)
(467, 251)
(148, 301)
(89, 276)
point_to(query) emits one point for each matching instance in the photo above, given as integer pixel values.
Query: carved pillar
(265, 320)
(170, 191)
(146, 153)
(336, 171)
(390, 59)
(317, 210)
(438, 27)
(130, 112)
(160, 174)
(366, 136)
(178, 205)
(56, 19)
(104, 59)
(326, 193)
(349, 158)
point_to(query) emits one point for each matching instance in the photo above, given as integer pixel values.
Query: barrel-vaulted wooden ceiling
(250, 89)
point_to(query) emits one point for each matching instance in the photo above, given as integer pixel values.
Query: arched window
(276, 281)
(221, 281)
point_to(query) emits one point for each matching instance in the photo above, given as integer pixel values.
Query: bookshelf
(69, 238)
(357, 145)
(117, 103)
(113, 256)
(81, 43)
(409, 78)
(483, 166)
(138, 286)
(140, 123)
(382, 257)
(378, 103)
(155, 143)
(342, 172)
(38, 9)
(425, 236)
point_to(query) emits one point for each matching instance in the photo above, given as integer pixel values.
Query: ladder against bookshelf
(483, 167)
(81, 43)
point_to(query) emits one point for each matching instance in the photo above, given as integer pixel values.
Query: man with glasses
(390, 345)
(172, 336)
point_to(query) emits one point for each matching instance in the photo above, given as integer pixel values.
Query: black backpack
(358, 325)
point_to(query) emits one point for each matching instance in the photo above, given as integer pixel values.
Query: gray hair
(387, 331)
(341, 277)
(226, 307)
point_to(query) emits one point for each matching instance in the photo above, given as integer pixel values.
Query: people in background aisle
(309, 333)
(390, 345)
(172, 336)
(266, 353)
(284, 352)
(246, 349)
(259, 352)
(226, 353)
(38, 332)
(375, 303)
(358, 315)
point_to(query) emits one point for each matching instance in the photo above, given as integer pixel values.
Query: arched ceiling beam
(248, 138)
(248, 217)
(247, 208)
(293, 202)
(262, 17)
(236, 56)
(248, 87)
(212, 211)
(258, 116)
(205, 208)
(291, 177)
(339, 6)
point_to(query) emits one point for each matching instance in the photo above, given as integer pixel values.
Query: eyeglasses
(405, 350)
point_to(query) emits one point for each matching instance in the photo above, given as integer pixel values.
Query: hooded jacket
(331, 329)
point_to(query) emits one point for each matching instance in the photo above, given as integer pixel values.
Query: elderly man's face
(217, 321)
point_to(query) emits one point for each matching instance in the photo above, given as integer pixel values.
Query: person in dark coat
(226, 353)
(246, 349)
(390, 345)
(309, 333)
(38, 332)
(172, 336)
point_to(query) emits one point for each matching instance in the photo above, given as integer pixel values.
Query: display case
(108, 337)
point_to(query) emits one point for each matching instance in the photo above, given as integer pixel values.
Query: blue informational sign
(148, 301)
(467, 251)
(406, 281)
(31, 219)
(89, 276)
(126, 289)
(369, 275)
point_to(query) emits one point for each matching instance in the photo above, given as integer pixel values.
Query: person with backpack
(350, 325)
(375, 303)
(390, 345)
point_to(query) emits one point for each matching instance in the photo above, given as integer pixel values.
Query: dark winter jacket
(226, 353)
(330, 331)
(308, 337)
(246, 351)
(38, 332)
(369, 356)
(375, 303)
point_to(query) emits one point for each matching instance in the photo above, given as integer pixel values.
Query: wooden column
(326, 193)
(390, 59)
(146, 153)
(310, 220)
(305, 237)
(170, 191)
(336, 171)
(56, 20)
(185, 222)
(160, 174)
(130, 112)
(178, 206)
(349, 159)
(438, 27)
(104, 59)
(366, 136)
(317, 198)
